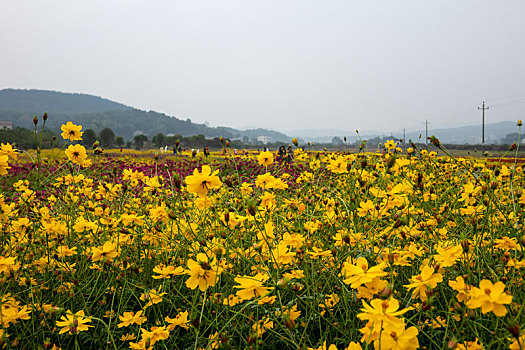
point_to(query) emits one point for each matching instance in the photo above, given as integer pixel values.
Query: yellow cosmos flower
(152, 297)
(489, 297)
(400, 338)
(252, 287)
(390, 144)
(359, 274)
(427, 279)
(73, 323)
(201, 182)
(382, 311)
(203, 272)
(180, 320)
(167, 271)
(3, 164)
(129, 318)
(76, 154)
(8, 150)
(265, 158)
(71, 131)
(447, 256)
(338, 165)
(108, 251)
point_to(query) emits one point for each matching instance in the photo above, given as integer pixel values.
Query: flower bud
(519, 122)
(35, 120)
(514, 329)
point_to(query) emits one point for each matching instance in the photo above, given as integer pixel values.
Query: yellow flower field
(134, 250)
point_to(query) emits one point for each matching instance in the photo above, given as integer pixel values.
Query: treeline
(25, 139)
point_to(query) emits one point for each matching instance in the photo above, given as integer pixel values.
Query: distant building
(264, 139)
(139, 132)
(6, 125)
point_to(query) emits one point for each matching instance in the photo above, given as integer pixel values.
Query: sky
(285, 65)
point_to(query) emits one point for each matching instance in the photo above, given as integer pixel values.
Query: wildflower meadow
(402, 249)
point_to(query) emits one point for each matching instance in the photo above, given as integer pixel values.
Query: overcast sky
(380, 65)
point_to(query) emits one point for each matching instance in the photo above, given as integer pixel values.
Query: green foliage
(107, 137)
(139, 141)
(25, 138)
(89, 137)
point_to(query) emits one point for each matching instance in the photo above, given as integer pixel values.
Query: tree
(159, 140)
(89, 137)
(119, 140)
(107, 137)
(336, 141)
(139, 141)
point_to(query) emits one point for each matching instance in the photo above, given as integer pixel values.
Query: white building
(6, 125)
(264, 139)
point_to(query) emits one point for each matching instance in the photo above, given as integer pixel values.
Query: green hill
(39, 101)
(97, 113)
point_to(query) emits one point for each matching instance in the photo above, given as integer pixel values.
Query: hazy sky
(341, 64)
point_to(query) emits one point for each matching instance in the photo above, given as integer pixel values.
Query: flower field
(137, 250)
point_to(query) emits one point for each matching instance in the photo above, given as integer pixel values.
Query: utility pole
(426, 132)
(483, 125)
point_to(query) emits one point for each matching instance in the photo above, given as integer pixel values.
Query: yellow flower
(8, 150)
(459, 286)
(200, 183)
(365, 208)
(265, 158)
(3, 164)
(203, 272)
(399, 338)
(517, 344)
(264, 180)
(382, 311)
(338, 165)
(359, 274)
(152, 297)
(64, 251)
(180, 320)
(7, 264)
(71, 131)
(76, 154)
(427, 279)
(323, 347)
(156, 334)
(129, 318)
(251, 287)
(390, 144)
(108, 251)
(262, 325)
(489, 297)
(167, 272)
(73, 323)
(447, 256)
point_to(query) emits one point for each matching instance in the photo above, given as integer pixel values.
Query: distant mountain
(96, 113)
(471, 134)
(39, 101)
(494, 134)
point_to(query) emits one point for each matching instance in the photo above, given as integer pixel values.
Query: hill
(38, 101)
(93, 112)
